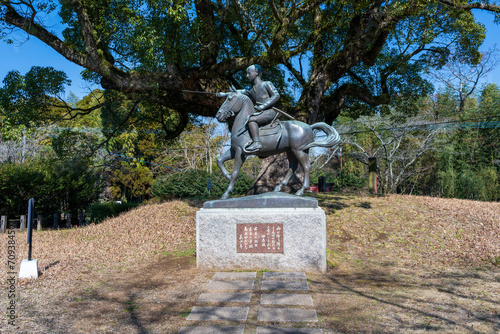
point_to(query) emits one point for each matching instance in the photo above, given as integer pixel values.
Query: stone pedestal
(273, 231)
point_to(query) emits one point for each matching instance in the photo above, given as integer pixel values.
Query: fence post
(3, 225)
(23, 223)
(39, 223)
(68, 220)
(372, 175)
(56, 221)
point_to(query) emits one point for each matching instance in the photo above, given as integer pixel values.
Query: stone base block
(299, 232)
(29, 269)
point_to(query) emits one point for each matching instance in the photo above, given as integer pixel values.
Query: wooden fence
(10, 224)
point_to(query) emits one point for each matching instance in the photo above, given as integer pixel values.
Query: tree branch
(275, 11)
(468, 6)
(34, 29)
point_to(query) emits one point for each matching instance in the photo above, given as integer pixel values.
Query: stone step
(286, 314)
(274, 330)
(286, 299)
(221, 276)
(212, 330)
(219, 313)
(226, 297)
(230, 285)
(285, 276)
(284, 285)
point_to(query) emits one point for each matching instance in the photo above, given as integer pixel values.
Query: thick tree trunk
(272, 171)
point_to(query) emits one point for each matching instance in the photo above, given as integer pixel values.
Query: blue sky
(22, 56)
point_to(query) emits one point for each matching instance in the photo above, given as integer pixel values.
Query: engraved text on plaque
(259, 238)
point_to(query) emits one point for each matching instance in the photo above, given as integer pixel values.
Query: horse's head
(230, 107)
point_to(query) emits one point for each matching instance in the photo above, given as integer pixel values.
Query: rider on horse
(265, 96)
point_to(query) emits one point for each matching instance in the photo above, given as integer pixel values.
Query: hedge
(194, 184)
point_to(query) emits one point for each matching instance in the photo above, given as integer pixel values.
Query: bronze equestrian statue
(293, 137)
(266, 96)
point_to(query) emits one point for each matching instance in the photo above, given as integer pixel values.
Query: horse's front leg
(239, 159)
(220, 162)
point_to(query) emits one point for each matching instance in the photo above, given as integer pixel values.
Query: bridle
(230, 108)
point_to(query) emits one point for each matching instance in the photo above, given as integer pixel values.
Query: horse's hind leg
(239, 159)
(293, 164)
(303, 157)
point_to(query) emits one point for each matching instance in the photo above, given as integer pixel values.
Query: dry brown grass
(397, 264)
(412, 231)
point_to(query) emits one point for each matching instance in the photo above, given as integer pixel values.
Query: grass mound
(134, 236)
(411, 231)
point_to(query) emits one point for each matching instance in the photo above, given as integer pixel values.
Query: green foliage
(194, 184)
(467, 165)
(349, 180)
(98, 212)
(26, 99)
(56, 185)
(467, 183)
(130, 181)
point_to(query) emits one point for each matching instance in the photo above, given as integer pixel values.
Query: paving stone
(212, 330)
(284, 285)
(286, 314)
(218, 313)
(225, 297)
(230, 285)
(280, 275)
(274, 330)
(286, 299)
(234, 276)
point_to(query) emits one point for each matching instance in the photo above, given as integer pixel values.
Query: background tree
(396, 142)
(461, 78)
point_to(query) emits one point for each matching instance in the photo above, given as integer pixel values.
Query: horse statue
(293, 137)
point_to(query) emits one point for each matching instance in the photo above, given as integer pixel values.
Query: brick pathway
(238, 287)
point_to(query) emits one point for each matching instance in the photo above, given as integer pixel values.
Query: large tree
(336, 53)
(150, 50)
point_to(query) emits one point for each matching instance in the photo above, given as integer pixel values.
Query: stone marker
(219, 313)
(234, 276)
(289, 276)
(230, 285)
(284, 285)
(212, 330)
(286, 314)
(226, 297)
(286, 299)
(68, 220)
(273, 330)
(3, 224)
(80, 219)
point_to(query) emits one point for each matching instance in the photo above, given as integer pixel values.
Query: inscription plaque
(259, 238)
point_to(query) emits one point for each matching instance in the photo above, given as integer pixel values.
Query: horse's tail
(332, 137)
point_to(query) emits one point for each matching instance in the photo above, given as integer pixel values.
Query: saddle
(270, 129)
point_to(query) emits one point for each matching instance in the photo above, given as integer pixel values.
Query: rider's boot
(254, 132)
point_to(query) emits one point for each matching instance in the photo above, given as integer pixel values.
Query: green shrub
(100, 211)
(194, 184)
